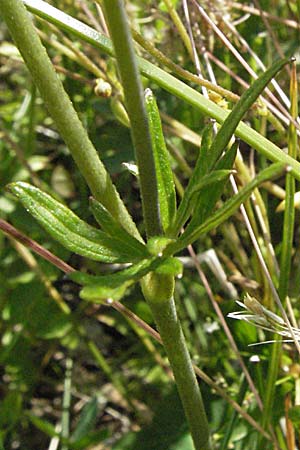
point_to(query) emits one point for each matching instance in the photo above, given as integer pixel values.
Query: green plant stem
(169, 327)
(158, 290)
(289, 212)
(63, 113)
(178, 70)
(270, 395)
(166, 81)
(134, 99)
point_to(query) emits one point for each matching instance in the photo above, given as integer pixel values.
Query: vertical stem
(62, 111)
(134, 99)
(289, 212)
(170, 330)
(157, 289)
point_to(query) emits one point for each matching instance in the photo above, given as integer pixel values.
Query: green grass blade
(286, 254)
(289, 212)
(243, 105)
(164, 175)
(87, 420)
(68, 229)
(166, 81)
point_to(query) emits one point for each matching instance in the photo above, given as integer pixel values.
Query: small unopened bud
(102, 88)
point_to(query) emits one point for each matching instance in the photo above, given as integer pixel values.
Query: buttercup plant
(151, 259)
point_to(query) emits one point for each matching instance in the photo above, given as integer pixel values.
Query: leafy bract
(194, 230)
(113, 228)
(207, 198)
(113, 286)
(193, 190)
(72, 232)
(164, 175)
(204, 161)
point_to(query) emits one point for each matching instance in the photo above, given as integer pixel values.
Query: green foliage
(73, 233)
(113, 287)
(164, 175)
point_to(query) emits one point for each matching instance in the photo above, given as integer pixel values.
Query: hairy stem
(62, 111)
(174, 343)
(127, 65)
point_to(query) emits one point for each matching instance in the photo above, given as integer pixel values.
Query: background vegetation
(82, 375)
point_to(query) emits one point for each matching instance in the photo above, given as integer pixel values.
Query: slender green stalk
(134, 99)
(289, 212)
(180, 27)
(232, 422)
(103, 365)
(157, 289)
(166, 81)
(161, 58)
(170, 330)
(62, 111)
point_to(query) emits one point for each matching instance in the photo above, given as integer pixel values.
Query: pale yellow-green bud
(157, 287)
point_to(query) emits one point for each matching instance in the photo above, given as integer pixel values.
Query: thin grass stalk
(29, 259)
(255, 11)
(232, 423)
(225, 326)
(161, 58)
(242, 61)
(289, 212)
(32, 263)
(61, 109)
(179, 25)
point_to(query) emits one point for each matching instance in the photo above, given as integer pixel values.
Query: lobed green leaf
(68, 229)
